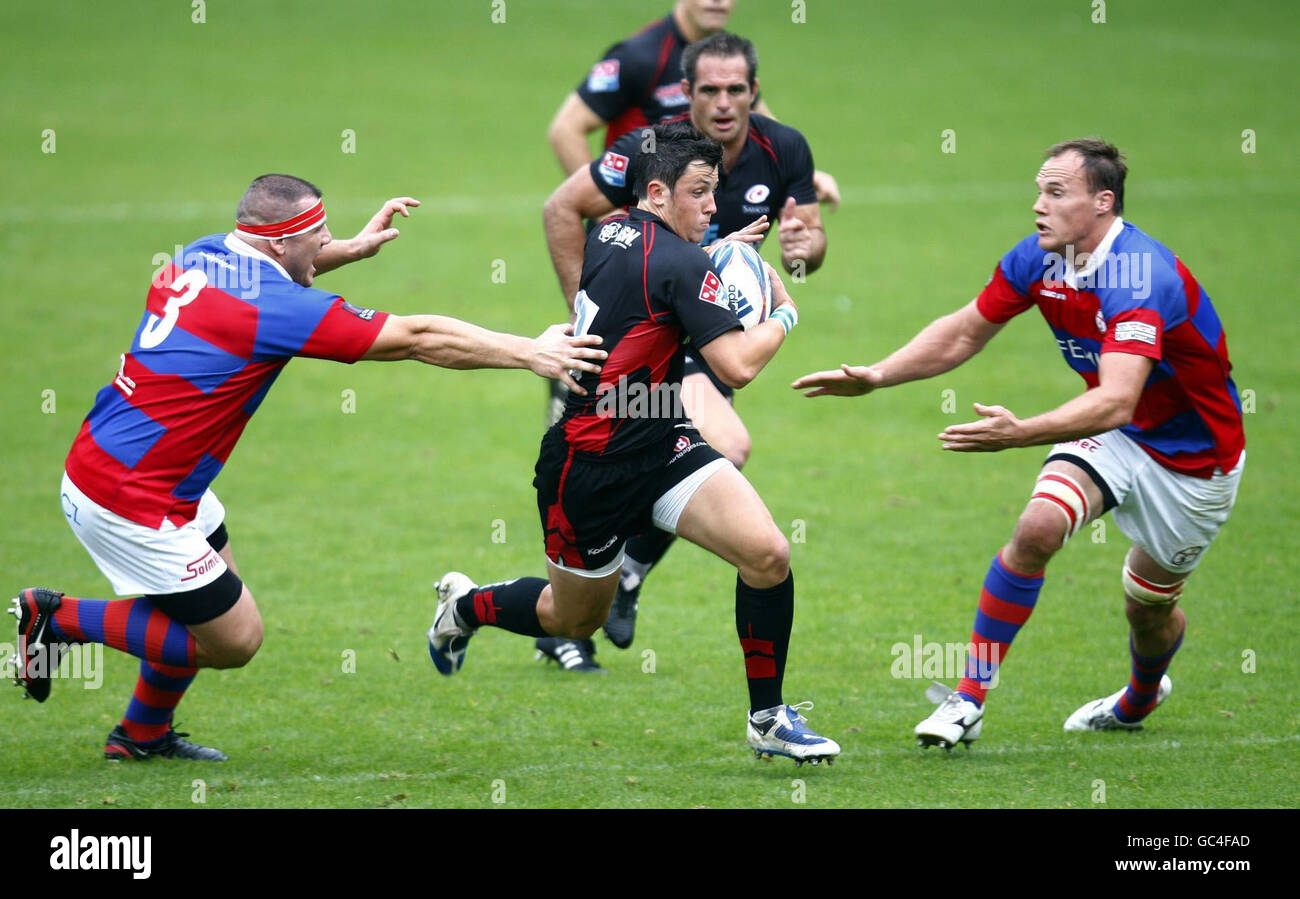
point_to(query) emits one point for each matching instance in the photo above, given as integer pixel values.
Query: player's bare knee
(1039, 534)
(769, 562)
(1143, 617)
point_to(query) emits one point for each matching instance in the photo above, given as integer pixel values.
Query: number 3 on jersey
(187, 288)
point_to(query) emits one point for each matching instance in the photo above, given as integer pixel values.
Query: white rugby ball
(745, 283)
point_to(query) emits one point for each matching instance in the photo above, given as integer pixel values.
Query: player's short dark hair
(1103, 164)
(723, 44)
(676, 145)
(273, 198)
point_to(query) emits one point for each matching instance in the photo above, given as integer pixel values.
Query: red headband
(299, 224)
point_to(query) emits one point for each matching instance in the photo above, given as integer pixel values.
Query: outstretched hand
(379, 231)
(557, 354)
(850, 380)
(998, 429)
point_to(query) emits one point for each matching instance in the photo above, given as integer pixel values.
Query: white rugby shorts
(140, 560)
(1173, 517)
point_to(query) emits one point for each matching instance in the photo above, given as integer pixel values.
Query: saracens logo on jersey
(757, 194)
(613, 168)
(709, 290)
(603, 77)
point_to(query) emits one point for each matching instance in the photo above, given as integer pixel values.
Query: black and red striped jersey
(645, 291)
(775, 163)
(638, 81)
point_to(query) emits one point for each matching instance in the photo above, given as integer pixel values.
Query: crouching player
(1157, 436)
(606, 473)
(219, 326)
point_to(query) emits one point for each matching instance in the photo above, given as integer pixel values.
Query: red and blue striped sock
(157, 692)
(133, 626)
(1139, 699)
(1006, 601)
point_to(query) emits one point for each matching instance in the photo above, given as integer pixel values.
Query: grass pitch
(340, 521)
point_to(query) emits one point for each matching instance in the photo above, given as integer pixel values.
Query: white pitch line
(1092, 745)
(220, 213)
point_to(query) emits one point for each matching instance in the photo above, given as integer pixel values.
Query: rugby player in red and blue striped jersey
(220, 324)
(1157, 436)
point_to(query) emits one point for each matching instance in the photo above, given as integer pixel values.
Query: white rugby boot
(1100, 713)
(955, 720)
(448, 638)
(781, 731)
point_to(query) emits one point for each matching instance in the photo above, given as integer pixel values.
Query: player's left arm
(377, 232)
(802, 237)
(1110, 404)
(452, 343)
(828, 189)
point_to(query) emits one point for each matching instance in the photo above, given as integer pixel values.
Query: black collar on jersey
(637, 214)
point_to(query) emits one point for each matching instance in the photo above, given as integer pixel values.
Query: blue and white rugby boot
(448, 637)
(782, 731)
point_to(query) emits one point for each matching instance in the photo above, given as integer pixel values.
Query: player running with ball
(766, 174)
(607, 472)
(1157, 436)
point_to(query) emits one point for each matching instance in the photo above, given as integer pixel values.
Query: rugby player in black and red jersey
(638, 83)
(766, 167)
(625, 457)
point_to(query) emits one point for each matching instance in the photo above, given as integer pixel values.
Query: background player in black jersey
(625, 457)
(637, 83)
(766, 166)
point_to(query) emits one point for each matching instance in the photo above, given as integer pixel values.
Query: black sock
(511, 605)
(763, 622)
(643, 553)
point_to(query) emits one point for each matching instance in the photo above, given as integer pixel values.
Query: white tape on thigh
(1148, 593)
(1064, 493)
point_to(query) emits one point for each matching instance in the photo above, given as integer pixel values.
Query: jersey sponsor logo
(202, 565)
(1185, 556)
(1139, 331)
(1072, 350)
(1053, 294)
(621, 235)
(364, 314)
(710, 290)
(603, 77)
(1101, 322)
(757, 194)
(755, 210)
(681, 444)
(600, 549)
(613, 168)
(671, 95)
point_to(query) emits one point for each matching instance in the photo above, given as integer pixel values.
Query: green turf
(341, 521)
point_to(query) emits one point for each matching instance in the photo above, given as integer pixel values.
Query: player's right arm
(566, 238)
(941, 346)
(573, 122)
(737, 357)
(451, 343)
